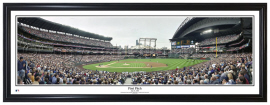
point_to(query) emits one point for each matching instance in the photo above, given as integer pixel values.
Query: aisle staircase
(128, 81)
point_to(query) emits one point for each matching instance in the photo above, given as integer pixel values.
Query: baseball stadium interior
(204, 51)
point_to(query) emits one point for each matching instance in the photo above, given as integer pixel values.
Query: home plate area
(128, 63)
(148, 64)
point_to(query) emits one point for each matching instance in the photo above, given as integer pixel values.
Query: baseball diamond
(141, 65)
(168, 50)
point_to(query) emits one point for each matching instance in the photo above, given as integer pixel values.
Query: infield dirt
(148, 64)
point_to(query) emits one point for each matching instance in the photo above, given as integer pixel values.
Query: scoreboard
(183, 42)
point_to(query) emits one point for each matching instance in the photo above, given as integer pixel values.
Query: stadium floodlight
(206, 31)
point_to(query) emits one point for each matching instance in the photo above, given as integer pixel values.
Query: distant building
(126, 47)
(137, 43)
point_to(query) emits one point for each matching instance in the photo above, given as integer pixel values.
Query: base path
(105, 66)
(148, 64)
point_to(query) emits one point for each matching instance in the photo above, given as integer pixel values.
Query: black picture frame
(8, 7)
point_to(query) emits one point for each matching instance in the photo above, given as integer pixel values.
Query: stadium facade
(73, 56)
(204, 34)
(37, 35)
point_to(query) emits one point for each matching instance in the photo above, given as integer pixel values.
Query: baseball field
(131, 65)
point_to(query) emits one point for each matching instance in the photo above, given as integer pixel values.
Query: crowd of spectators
(83, 48)
(143, 51)
(60, 69)
(238, 48)
(200, 55)
(233, 49)
(209, 55)
(220, 40)
(102, 58)
(147, 51)
(121, 51)
(182, 50)
(197, 55)
(227, 69)
(236, 69)
(70, 49)
(66, 38)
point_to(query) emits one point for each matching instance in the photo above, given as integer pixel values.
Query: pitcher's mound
(125, 64)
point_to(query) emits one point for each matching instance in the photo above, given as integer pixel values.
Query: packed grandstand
(50, 53)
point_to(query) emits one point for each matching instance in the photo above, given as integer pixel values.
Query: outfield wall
(174, 55)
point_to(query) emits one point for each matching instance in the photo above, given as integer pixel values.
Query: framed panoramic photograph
(135, 52)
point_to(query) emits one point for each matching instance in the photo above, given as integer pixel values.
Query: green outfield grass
(172, 64)
(130, 65)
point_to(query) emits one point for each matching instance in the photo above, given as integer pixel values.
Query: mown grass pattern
(172, 65)
(130, 65)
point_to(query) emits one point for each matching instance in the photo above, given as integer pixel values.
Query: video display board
(185, 42)
(174, 43)
(178, 43)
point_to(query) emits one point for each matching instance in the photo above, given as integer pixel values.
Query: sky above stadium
(125, 30)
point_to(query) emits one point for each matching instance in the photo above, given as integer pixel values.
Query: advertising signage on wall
(185, 46)
(174, 43)
(173, 46)
(178, 46)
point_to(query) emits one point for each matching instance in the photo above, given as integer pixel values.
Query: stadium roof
(192, 27)
(184, 25)
(45, 24)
